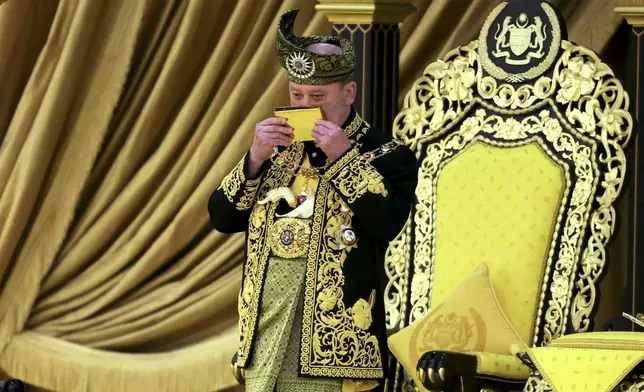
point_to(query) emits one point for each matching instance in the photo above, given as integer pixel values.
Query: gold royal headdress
(305, 67)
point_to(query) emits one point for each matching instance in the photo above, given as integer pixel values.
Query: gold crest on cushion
(469, 320)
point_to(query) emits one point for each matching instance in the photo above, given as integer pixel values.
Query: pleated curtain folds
(118, 118)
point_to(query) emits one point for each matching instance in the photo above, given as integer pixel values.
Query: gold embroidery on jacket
(261, 220)
(247, 199)
(340, 163)
(232, 183)
(354, 126)
(335, 339)
(361, 311)
(358, 177)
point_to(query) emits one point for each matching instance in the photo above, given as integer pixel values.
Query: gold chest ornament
(289, 237)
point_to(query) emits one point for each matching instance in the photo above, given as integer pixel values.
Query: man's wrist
(341, 153)
(254, 165)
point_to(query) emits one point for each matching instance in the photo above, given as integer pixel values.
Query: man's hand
(331, 139)
(269, 133)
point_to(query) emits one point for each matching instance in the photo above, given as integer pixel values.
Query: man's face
(335, 99)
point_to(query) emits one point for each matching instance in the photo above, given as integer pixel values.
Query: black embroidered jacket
(369, 191)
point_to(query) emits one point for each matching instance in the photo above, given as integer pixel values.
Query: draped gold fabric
(118, 118)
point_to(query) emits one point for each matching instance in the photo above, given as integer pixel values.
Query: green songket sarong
(276, 350)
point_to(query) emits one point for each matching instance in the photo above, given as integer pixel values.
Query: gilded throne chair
(520, 138)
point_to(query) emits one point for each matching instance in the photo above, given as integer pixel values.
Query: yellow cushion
(498, 205)
(469, 320)
(594, 361)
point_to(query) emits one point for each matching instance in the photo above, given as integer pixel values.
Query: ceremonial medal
(289, 237)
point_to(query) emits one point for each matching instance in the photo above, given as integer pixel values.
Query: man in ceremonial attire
(318, 217)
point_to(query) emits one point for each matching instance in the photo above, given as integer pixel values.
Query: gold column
(633, 11)
(372, 27)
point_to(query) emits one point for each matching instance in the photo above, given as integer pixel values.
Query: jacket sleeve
(378, 186)
(230, 205)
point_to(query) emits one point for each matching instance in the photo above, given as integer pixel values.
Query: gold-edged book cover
(301, 119)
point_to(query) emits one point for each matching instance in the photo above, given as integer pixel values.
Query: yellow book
(301, 119)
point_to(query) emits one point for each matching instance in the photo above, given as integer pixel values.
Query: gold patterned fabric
(275, 355)
(593, 361)
(310, 68)
(235, 182)
(498, 205)
(354, 176)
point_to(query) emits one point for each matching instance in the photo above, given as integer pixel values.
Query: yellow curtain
(118, 118)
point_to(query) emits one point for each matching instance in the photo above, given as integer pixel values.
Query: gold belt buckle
(289, 237)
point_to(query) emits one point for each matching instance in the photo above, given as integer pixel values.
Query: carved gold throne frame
(520, 165)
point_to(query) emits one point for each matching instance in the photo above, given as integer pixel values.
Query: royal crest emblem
(519, 37)
(459, 332)
(520, 40)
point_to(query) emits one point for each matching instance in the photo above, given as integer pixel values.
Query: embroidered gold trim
(261, 220)
(340, 163)
(353, 125)
(361, 132)
(289, 237)
(357, 178)
(232, 183)
(333, 344)
(250, 190)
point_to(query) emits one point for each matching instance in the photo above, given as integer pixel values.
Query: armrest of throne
(466, 340)
(445, 371)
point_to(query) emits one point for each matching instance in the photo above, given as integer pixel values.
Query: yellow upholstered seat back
(499, 206)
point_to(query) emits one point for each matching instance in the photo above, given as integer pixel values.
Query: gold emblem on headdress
(306, 66)
(300, 65)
